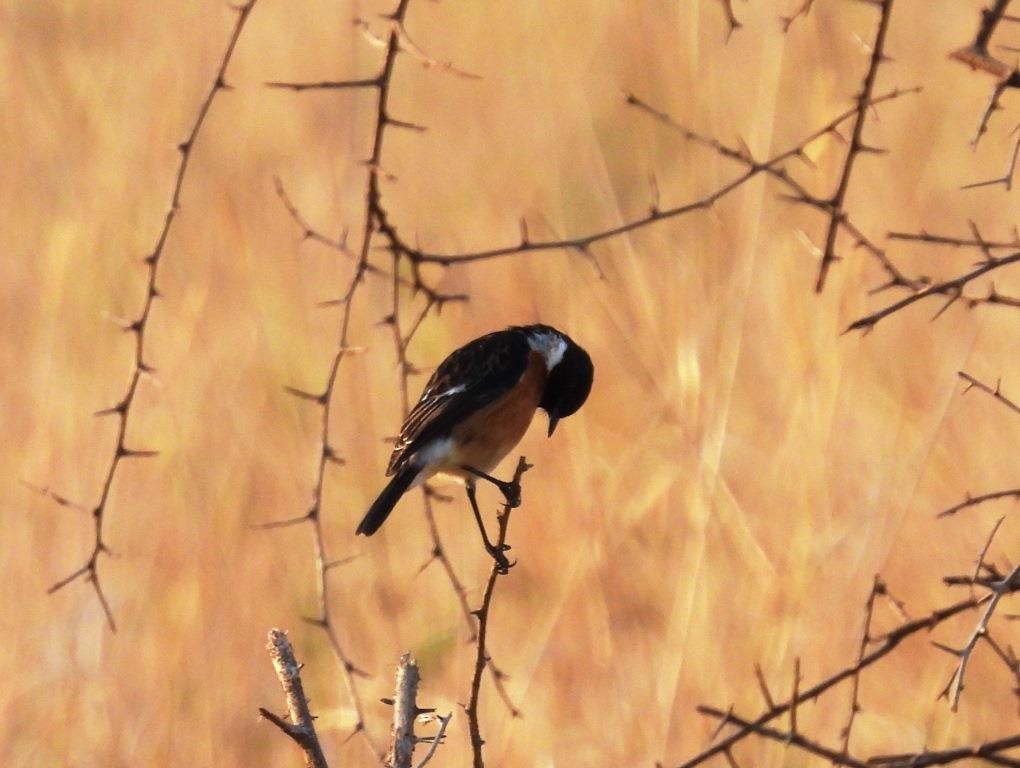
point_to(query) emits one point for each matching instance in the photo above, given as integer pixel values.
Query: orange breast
(488, 435)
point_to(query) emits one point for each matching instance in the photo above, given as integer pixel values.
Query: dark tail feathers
(388, 499)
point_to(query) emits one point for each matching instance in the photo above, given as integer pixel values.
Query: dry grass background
(739, 474)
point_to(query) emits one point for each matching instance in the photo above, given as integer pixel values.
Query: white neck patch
(550, 345)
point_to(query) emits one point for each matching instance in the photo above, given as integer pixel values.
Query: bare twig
(405, 711)
(952, 289)
(301, 725)
(877, 588)
(996, 392)
(1009, 584)
(444, 721)
(802, 10)
(976, 55)
(956, 242)
(139, 326)
(763, 687)
(883, 644)
(732, 24)
(775, 167)
(1007, 178)
(482, 612)
(989, 751)
(1008, 657)
(857, 145)
(973, 501)
(791, 737)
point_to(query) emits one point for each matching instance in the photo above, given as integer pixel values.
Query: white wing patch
(550, 345)
(450, 391)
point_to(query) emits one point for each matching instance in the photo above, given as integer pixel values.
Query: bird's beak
(554, 419)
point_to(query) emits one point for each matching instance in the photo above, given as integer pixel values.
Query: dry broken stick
(405, 712)
(301, 725)
(138, 328)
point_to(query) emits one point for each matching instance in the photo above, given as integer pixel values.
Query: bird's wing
(470, 378)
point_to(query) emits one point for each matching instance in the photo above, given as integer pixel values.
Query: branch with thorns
(857, 145)
(997, 586)
(732, 24)
(482, 658)
(776, 168)
(138, 328)
(881, 645)
(977, 56)
(326, 397)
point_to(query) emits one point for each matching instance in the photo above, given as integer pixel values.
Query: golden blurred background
(739, 474)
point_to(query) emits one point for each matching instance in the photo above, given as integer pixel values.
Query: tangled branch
(882, 645)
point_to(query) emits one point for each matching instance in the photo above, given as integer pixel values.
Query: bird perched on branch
(476, 408)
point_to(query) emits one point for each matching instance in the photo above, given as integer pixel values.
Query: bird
(476, 407)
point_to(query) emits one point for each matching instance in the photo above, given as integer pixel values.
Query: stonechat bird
(477, 406)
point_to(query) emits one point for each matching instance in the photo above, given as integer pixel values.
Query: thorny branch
(877, 588)
(482, 612)
(857, 145)
(1010, 583)
(996, 392)
(802, 10)
(731, 20)
(976, 55)
(301, 724)
(376, 224)
(951, 290)
(773, 166)
(989, 751)
(881, 646)
(138, 327)
(776, 168)
(325, 398)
